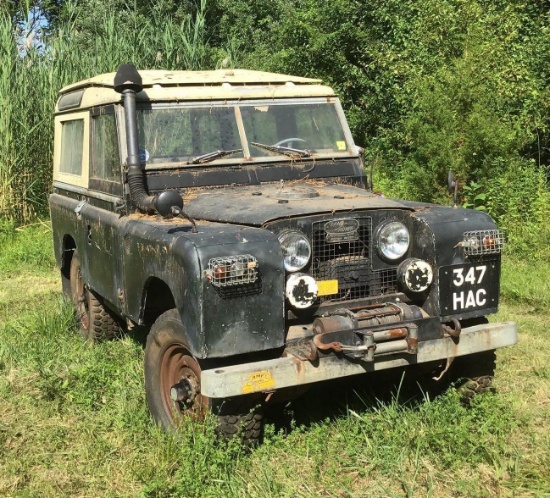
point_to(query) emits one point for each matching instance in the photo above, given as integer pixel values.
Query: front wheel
(173, 386)
(470, 375)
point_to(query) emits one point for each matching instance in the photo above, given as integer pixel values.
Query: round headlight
(296, 250)
(393, 240)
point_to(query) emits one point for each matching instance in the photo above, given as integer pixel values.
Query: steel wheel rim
(176, 365)
(80, 298)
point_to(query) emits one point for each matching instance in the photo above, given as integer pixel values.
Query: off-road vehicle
(229, 212)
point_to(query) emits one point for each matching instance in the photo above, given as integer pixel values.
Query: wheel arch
(157, 298)
(67, 251)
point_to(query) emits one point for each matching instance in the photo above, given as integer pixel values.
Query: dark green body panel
(437, 232)
(120, 256)
(216, 326)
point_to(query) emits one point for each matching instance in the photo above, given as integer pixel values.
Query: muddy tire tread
(104, 326)
(248, 427)
(474, 374)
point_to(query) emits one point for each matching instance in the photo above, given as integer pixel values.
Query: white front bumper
(270, 375)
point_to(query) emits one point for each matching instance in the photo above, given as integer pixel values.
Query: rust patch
(397, 333)
(412, 342)
(336, 346)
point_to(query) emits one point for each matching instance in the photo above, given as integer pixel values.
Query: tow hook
(453, 329)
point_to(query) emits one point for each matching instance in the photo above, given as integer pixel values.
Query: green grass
(526, 282)
(73, 420)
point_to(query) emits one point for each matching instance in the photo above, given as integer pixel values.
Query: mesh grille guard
(480, 242)
(233, 270)
(346, 256)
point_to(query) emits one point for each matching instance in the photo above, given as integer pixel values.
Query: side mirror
(169, 203)
(452, 183)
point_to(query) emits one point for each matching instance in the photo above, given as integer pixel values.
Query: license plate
(469, 287)
(327, 287)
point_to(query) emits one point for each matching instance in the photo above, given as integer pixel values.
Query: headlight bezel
(384, 243)
(283, 236)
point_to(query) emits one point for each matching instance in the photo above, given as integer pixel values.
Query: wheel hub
(184, 391)
(180, 385)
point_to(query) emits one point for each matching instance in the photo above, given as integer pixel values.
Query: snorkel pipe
(169, 202)
(128, 82)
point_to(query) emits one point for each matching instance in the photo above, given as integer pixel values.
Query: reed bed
(31, 76)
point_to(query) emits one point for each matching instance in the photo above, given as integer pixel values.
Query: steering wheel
(291, 142)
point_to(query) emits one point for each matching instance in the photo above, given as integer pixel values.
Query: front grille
(346, 257)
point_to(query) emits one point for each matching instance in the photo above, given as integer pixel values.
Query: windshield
(311, 127)
(183, 134)
(197, 135)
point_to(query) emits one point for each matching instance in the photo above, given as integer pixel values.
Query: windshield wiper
(287, 151)
(210, 156)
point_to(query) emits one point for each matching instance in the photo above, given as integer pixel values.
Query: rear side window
(72, 141)
(105, 161)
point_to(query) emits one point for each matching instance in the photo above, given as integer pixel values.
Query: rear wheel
(96, 322)
(173, 386)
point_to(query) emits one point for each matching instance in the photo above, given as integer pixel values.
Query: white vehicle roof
(226, 84)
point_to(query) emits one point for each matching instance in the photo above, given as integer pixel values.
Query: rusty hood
(259, 204)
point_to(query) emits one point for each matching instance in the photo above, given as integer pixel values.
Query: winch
(374, 330)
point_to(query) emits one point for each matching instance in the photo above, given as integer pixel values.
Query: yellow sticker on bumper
(262, 380)
(327, 287)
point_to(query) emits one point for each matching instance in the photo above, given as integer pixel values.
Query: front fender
(219, 322)
(439, 231)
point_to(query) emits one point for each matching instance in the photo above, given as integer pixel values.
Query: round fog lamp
(393, 240)
(415, 275)
(296, 250)
(301, 290)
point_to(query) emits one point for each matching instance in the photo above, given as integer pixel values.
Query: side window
(72, 139)
(71, 149)
(105, 161)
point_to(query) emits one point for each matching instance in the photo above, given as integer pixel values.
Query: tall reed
(30, 81)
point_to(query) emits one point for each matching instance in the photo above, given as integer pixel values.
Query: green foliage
(519, 200)
(31, 76)
(25, 249)
(427, 86)
(525, 281)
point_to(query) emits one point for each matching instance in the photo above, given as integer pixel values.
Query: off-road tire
(470, 375)
(473, 374)
(104, 324)
(168, 361)
(96, 322)
(244, 421)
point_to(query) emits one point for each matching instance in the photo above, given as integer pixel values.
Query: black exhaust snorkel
(128, 83)
(168, 203)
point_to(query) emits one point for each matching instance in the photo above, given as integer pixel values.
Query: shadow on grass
(335, 399)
